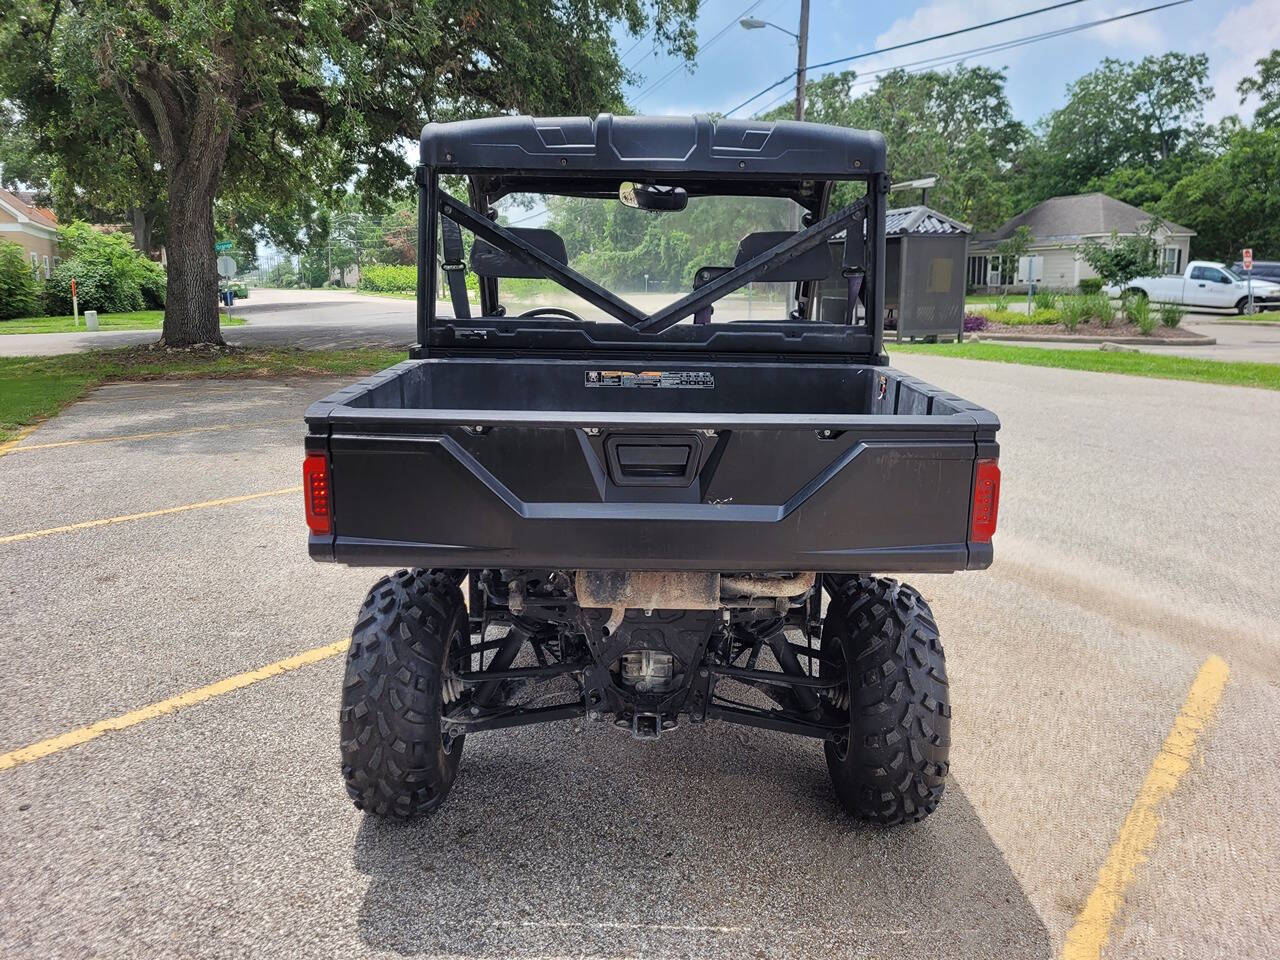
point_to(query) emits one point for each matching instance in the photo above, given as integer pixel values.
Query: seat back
(815, 264)
(488, 261)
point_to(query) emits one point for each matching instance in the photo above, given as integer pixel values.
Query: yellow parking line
(74, 738)
(10, 445)
(1092, 929)
(107, 521)
(148, 436)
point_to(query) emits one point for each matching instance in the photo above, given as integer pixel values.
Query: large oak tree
(276, 101)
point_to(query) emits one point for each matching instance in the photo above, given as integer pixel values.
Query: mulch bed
(1084, 330)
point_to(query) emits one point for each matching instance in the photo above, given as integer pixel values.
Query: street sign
(226, 267)
(1248, 258)
(222, 245)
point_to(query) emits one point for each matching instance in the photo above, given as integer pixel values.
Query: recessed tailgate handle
(663, 461)
(656, 461)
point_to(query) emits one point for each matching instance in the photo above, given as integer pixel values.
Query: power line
(913, 43)
(702, 48)
(943, 60)
(639, 40)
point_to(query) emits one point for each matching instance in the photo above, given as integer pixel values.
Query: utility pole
(802, 52)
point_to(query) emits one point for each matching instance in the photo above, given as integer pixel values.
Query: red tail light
(986, 501)
(315, 491)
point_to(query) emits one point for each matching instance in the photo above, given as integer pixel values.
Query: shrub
(1075, 311)
(388, 278)
(1102, 309)
(1002, 302)
(1170, 315)
(19, 291)
(1014, 319)
(973, 322)
(1137, 310)
(1091, 285)
(1044, 299)
(111, 275)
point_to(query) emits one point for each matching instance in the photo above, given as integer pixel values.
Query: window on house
(1171, 260)
(35, 262)
(46, 268)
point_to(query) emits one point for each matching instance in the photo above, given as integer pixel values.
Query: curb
(1197, 341)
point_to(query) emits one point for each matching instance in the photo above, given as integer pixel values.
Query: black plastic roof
(652, 145)
(921, 220)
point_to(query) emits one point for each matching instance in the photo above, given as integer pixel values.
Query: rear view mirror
(651, 196)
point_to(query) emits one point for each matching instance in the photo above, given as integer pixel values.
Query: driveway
(177, 658)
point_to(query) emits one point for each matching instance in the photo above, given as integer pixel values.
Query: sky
(738, 63)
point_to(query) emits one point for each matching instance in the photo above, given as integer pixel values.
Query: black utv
(655, 511)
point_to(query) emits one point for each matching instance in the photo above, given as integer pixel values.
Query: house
(1059, 227)
(33, 228)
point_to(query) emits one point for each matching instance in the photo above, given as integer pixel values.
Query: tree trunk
(141, 229)
(191, 296)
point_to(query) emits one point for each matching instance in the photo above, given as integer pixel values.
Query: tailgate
(883, 493)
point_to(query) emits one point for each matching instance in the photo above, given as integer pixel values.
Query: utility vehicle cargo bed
(591, 464)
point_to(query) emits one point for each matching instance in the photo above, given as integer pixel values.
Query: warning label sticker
(652, 379)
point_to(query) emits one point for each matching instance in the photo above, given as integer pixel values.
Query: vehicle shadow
(714, 841)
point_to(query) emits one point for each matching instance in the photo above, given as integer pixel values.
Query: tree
(1265, 84)
(19, 292)
(957, 124)
(1140, 122)
(75, 145)
(1127, 257)
(1012, 249)
(1231, 201)
(283, 100)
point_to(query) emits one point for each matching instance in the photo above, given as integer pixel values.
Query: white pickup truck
(1204, 284)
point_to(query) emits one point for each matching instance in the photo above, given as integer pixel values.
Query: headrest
(815, 264)
(488, 261)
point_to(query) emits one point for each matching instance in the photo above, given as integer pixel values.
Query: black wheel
(395, 760)
(1243, 307)
(881, 636)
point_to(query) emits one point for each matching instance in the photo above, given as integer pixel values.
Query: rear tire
(881, 635)
(395, 760)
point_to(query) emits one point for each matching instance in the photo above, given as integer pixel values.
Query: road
(320, 319)
(1137, 540)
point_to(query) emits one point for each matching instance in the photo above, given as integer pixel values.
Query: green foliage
(1124, 258)
(1170, 314)
(388, 278)
(1001, 303)
(617, 245)
(19, 291)
(1265, 83)
(268, 105)
(1075, 311)
(1120, 115)
(1091, 285)
(111, 275)
(1014, 318)
(1044, 299)
(1231, 201)
(1102, 309)
(957, 124)
(1137, 310)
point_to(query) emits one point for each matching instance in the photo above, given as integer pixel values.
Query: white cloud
(1244, 34)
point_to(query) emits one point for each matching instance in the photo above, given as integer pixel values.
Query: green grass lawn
(1263, 375)
(33, 388)
(135, 320)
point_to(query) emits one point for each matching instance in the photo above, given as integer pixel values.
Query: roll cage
(582, 157)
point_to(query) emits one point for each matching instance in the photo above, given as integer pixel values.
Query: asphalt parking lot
(1138, 543)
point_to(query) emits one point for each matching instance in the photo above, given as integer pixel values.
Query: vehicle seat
(815, 264)
(488, 261)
